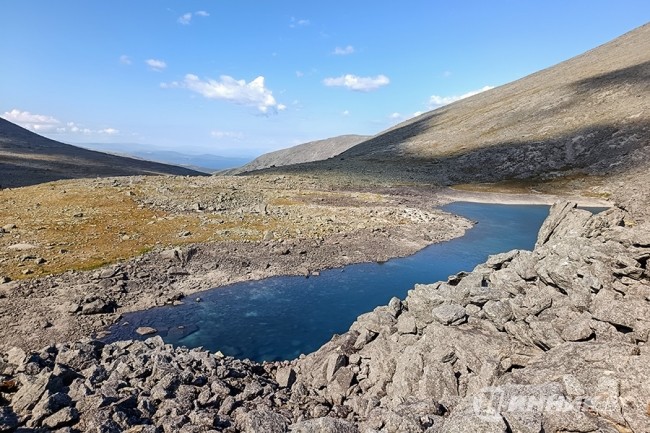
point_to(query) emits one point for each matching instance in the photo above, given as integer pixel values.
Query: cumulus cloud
(438, 101)
(156, 65)
(34, 122)
(45, 124)
(125, 60)
(202, 14)
(252, 94)
(343, 51)
(359, 84)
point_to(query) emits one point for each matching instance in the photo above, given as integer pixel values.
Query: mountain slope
(27, 158)
(587, 115)
(306, 152)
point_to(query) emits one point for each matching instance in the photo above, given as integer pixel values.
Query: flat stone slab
(21, 247)
(146, 330)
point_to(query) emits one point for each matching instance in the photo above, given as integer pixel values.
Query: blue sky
(244, 77)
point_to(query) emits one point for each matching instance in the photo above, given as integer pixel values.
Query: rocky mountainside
(306, 152)
(27, 158)
(553, 340)
(587, 115)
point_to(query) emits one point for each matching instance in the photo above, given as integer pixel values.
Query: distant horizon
(243, 79)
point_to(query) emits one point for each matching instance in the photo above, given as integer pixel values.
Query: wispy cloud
(226, 134)
(356, 83)
(125, 60)
(156, 65)
(186, 18)
(399, 117)
(343, 51)
(44, 124)
(438, 101)
(252, 94)
(346, 112)
(295, 22)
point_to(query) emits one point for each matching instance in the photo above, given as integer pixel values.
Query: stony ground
(553, 340)
(75, 255)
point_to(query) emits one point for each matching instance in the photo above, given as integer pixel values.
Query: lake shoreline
(453, 195)
(74, 305)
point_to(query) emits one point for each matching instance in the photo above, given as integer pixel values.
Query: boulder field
(549, 340)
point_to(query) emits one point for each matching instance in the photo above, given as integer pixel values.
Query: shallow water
(281, 317)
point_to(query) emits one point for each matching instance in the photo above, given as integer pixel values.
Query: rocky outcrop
(553, 340)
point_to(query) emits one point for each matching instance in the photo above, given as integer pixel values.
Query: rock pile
(544, 341)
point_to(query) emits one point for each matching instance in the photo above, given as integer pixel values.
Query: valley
(553, 338)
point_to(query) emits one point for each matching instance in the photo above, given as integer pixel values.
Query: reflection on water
(281, 317)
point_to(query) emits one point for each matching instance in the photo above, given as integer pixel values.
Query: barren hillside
(587, 115)
(27, 158)
(306, 152)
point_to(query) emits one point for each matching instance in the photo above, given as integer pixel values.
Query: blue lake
(281, 317)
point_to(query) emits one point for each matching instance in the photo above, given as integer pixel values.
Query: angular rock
(323, 425)
(449, 314)
(285, 376)
(263, 421)
(64, 417)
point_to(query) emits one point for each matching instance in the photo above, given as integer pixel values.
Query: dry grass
(86, 224)
(77, 225)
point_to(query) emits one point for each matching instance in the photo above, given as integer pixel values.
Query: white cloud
(252, 94)
(299, 22)
(446, 74)
(346, 112)
(359, 84)
(438, 101)
(125, 60)
(44, 124)
(34, 122)
(395, 116)
(343, 51)
(300, 74)
(185, 19)
(226, 134)
(417, 113)
(155, 64)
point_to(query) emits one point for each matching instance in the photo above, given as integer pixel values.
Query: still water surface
(281, 317)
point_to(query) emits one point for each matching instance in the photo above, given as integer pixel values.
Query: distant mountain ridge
(588, 115)
(205, 162)
(27, 158)
(307, 152)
